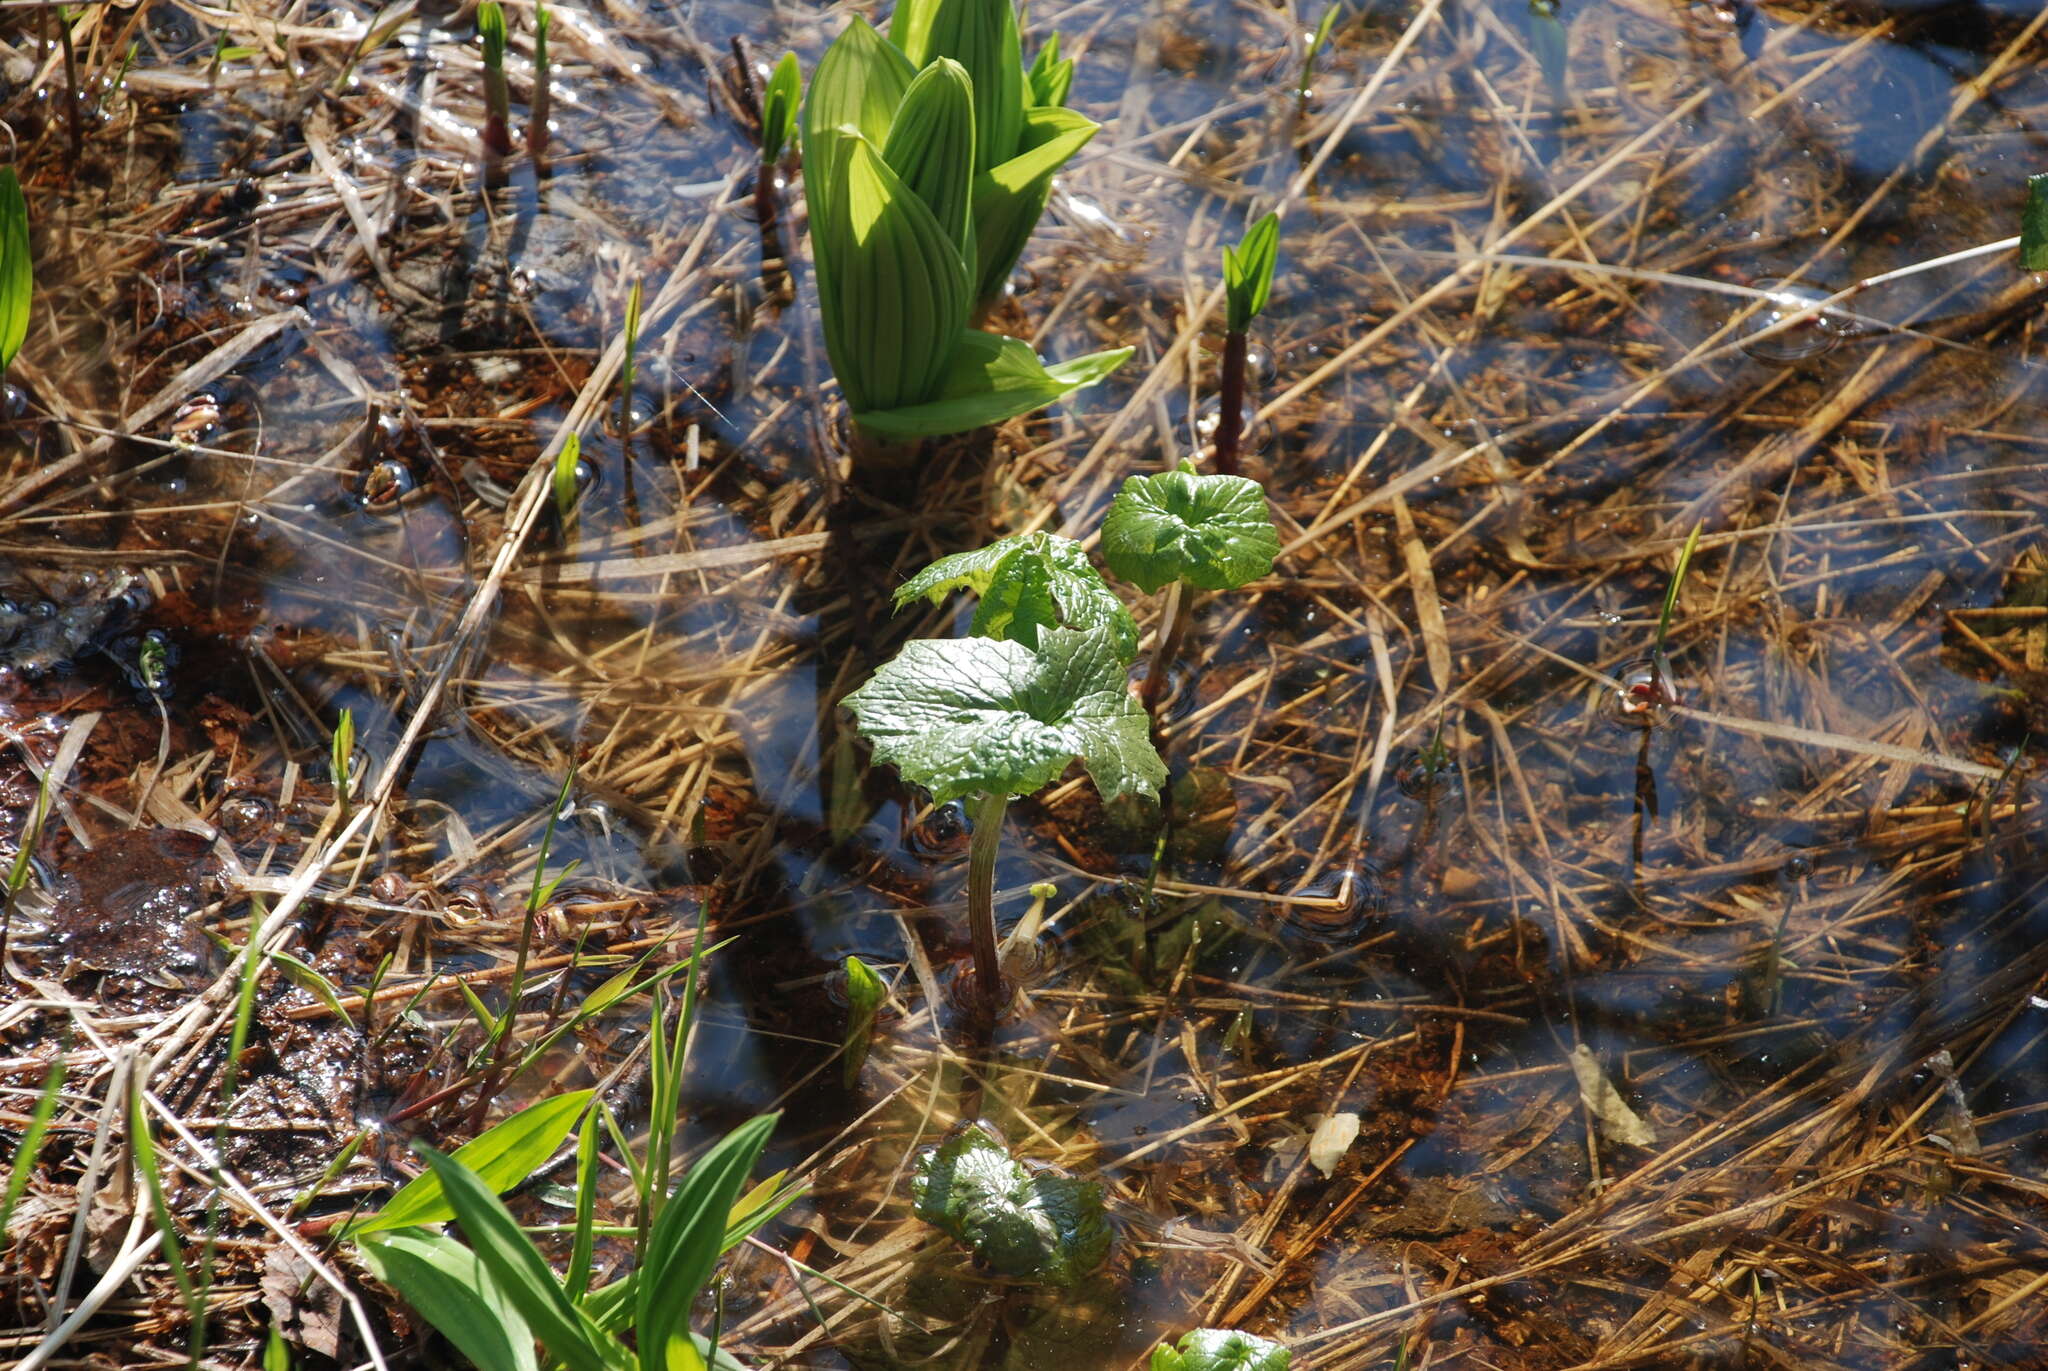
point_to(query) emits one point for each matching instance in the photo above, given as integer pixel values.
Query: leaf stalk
(981, 893)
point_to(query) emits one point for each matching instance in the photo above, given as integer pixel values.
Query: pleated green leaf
(17, 270)
(931, 147)
(858, 85)
(1009, 198)
(991, 379)
(778, 108)
(981, 35)
(892, 286)
(1050, 78)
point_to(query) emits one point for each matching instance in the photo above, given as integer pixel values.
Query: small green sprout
(563, 479)
(911, 222)
(2034, 225)
(626, 367)
(1028, 582)
(864, 996)
(1552, 41)
(1192, 532)
(490, 28)
(17, 269)
(341, 757)
(1247, 284)
(778, 109)
(990, 719)
(542, 108)
(1051, 77)
(1221, 1349)
(1316, 43)
(30, 1147)
(1026, 1224)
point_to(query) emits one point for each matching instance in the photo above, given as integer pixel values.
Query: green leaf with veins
(1213, 532)
(1221, 1349)
(1028, 582)
(1025, 1224)
(980, 716)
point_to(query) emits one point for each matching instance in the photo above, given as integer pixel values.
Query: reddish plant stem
(1230, 419)
(1173, 626)
(981, 895)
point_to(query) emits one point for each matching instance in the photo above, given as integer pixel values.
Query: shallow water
(1765, 915)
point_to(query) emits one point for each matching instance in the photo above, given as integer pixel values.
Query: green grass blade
(144, 1145)
(864, 993)
(17, 268)
(581, 1249)
(452, 1290)
(1692, 542)
(687, 1240)
(564, 478)
(31, 1145)
(500, 1157)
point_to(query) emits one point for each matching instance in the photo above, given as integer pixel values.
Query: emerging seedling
(17, 270)
(1221, 1349)
(779, 102)
(1649, 689)
(1025, 1224)
(864, 996)
(341, 762)
(1247, 283)
(497, 135)
(563, 479)
(908, 215)
(1552, 42)
(991, 719)
(2033, 225)
(1028, 582)
(1191, 532)
(1316, 43)
(538, 113)
(626, 367)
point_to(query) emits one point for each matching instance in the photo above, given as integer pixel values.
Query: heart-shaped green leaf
(1221, 1349)
(1028, 582)
(990, 379)
(978, 716)
(1213, 532)
(1025, 1224)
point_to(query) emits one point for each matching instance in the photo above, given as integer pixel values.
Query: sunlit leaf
(1050, 77)
(1248, 272)
(1028, 582)
(452, 1290)
(981, 35)
(779, 103)
(521, 1273)
(1213, 532)
(858, 84)
(17, 268)
(687, 1239)
(992, 379)
(931, 147)
(501, 1157)
(977, 716)
(864, 995)
(1025, 1224)
(1221, 1349)
(1009, 197)
(310, 980)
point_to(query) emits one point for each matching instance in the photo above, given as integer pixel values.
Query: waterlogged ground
(1717, 1042)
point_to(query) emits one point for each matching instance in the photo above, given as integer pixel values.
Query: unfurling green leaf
(892, 287)
(778, 108)
(1248, 272)
(564, 477)
(501, 1157)
(981, 35)
(1028, 582)
(858, 84)
(17, 269)
(490, 27)
(450, 1288)
(864, 995)
(931, 148)
(1009, 197)
(1221, 1349)
(2033, 229)
(977, 716)
(992, 378)
(1050, 77)
(1213, 532)
(1035, 1225)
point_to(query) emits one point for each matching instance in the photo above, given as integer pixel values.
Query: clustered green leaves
(1210, 532)
(1221, 1349)
(928, 158)
(1248, 273)
(1026, 583)
(1025, 1224)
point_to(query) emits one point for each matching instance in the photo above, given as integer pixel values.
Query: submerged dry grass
(1800, 925)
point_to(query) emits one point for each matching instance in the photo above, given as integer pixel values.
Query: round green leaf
(1213, 532)
(1033, 1225)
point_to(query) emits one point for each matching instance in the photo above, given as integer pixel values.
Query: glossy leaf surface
(1213, 532)
(1029, 1225)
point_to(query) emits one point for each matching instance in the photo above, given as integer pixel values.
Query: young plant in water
(1186, 531)
(1221, 1349)
(17, 269)
(779, 103)
(1247, 283)
(989, 718)
(542, 108)
(1025, 1224)
(1647, 688)
(926, 167)
(497, 134)
(1028, 582)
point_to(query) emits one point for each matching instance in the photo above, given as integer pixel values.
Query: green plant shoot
(490, 27)
(626, 366)
(2033, 231)
(1247, 284)
(864, 995)
(989, 719)
(1678, 571)
(17, 270)
(542, 108)
(1316, 43)
(778, 109)
(1027, 583)
(564, 478)
(906, 214)
(341, 760)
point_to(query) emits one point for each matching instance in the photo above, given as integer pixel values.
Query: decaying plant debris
(290, 397)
